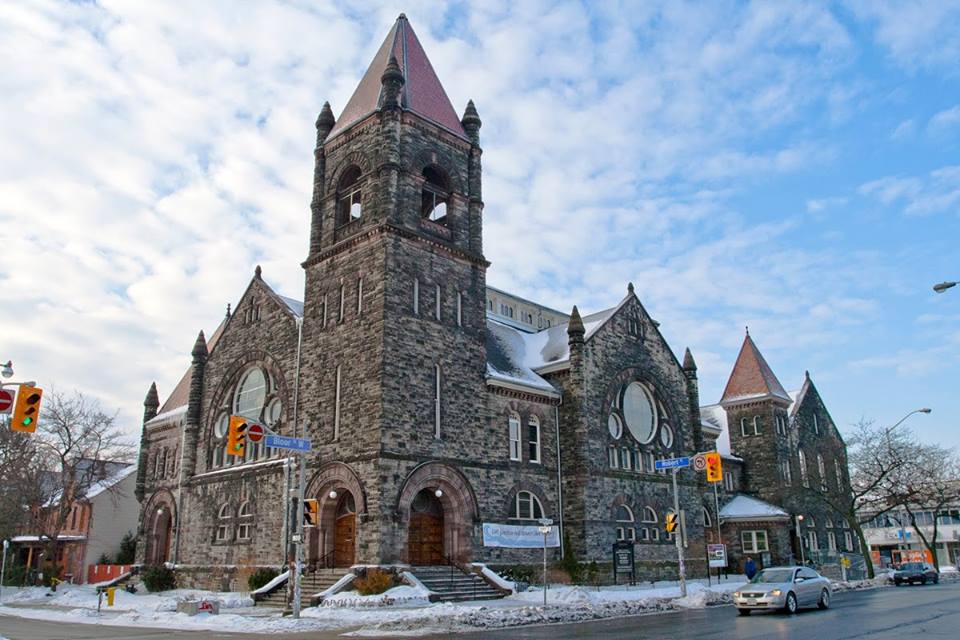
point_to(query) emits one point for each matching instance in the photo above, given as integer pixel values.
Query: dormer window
(434, 197)
(349, 196)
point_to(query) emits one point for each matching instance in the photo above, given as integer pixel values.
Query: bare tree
(19, 471)
(876, 458)
(925, 489)
(78, 445)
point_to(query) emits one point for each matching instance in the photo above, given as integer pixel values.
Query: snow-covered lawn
(400, 611)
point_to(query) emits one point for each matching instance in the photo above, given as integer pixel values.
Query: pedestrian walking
(750, 568)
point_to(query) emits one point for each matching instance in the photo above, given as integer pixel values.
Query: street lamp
(943, 286)
(7, 371)
(886, 433)
(803, 561)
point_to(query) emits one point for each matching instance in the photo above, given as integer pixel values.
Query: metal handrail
(326, 560)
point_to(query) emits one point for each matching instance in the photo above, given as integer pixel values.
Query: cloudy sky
(789, 166)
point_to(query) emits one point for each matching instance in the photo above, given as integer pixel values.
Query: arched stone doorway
(425, 537)
(161, 517)
(438, 511)
(342, 506)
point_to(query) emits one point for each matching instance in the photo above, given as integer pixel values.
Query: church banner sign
(518, 536)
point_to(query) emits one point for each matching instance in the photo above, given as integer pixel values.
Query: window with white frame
(459, 308)
(654, 533)
(812, 541)
(756, 425)
(533, 439)
(625, 461)
(728, 480)
(754, 541)
(706, 518)
(614, 458)
(848, 540)
(785, 474)
(816, 424)
(781, 424)
(416, 296)
(514, 426)
(803, 469)
(244, 521)
(323, 311)
(336, 406)
(651, 461)
(649, 514)
(743, 426)
(822, 470)
(527, 507)
(359, 296)
(838, 473)
(343, 302)
(436, 306)
(256, 397)
(644, 534)
(224, 520)
(624, 516)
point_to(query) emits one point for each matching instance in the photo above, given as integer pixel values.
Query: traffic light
(27, 409)
(311, 513)
(671, 523)
(714, 467)
(237, 436)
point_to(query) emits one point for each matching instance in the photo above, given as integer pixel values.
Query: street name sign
(293, 444)
(672, 463)
(6, 400)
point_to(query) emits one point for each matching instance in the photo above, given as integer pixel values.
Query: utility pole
(298, 537)
(677, 536)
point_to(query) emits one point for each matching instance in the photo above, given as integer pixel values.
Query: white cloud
(944, 120)
(916, 33)
(937, 192)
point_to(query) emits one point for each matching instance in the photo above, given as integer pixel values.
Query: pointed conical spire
(688, 363)
(152, 401)
(575, 327)
(325, 122)
(471, 122)
(752, 378)
(422, 92)
(199, 347)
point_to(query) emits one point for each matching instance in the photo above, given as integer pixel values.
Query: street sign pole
(298, 541)
(3, 567)
(677, 535)
(545, 530)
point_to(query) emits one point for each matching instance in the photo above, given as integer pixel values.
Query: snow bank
(86, 597)
(403, 594)
(270, 585)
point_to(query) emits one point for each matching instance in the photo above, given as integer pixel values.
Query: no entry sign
(6, 400)
(255, 433)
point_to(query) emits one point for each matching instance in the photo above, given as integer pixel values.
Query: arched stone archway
(436, 485)
(342, 505)
(161, 516)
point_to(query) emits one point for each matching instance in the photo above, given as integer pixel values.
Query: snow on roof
(66, 538)
(716, 417)
(114, 472)
(295, 306)
(508, 357)
(97, 488)
(743, 507)
(168, 415)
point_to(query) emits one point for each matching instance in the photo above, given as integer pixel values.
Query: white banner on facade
(517, 536)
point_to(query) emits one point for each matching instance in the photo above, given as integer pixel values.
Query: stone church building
(434, 403)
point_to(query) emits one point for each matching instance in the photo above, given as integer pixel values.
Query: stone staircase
(310, 584)
(453, 585)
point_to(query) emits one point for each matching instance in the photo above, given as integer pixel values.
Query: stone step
(453, 585)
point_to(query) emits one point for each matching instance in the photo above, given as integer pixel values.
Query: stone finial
(228, 309)
(575, 327)
(325, 122)
(199, 347)
(392, 81)
(402, 16)
(688, 363)
(747, 330)
(630, 288)
(471, 121)
(152, 401)
(806, 375)
(258, 273)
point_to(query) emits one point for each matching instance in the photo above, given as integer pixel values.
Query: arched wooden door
(162, 530)
(345, 531)
(425, 538)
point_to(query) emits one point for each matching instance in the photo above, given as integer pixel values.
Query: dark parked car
(910, 572)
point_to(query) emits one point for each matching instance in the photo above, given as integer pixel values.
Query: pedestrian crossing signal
(714, 467)
(237, 436)
(27, 409)
(311, 513)
(672, 522)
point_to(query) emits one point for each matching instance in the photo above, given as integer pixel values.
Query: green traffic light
(27, 422)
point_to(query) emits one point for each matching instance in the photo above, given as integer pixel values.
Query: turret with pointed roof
(752, 378)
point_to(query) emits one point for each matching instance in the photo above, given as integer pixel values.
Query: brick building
(781, 451)
(433, 402)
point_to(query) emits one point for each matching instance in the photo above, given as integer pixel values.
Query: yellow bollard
(111, 592)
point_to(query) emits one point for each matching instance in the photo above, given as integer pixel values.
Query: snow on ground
(85, 597)
(402, 595)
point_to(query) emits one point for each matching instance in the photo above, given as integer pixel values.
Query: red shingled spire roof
(752, 377)
(422, 92)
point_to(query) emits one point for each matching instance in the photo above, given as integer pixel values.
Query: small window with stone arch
(349, 195)
(435, 196)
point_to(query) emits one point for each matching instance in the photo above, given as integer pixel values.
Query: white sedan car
(786, 588)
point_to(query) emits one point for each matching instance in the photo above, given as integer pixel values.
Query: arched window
(822, 470)
(349, 194)
(527, 507)
(649, 515)
(514, 427)
(255, 397)
(435, 196)
(624, 514)
(803, 469)
(533, 439)
(706, 518)
(245, 521)
(223, 523)
(743, 426)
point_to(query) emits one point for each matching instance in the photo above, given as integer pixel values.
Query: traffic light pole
(298, 537)
(677, 535)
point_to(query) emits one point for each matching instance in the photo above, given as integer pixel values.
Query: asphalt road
(905, 612)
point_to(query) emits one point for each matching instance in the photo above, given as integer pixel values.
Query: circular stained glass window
(639, 413)
(666, 436)
(274, 409)
(615, 426)
(220, 428)
(251, 394)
